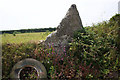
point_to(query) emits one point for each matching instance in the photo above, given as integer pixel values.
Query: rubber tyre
(41, 71)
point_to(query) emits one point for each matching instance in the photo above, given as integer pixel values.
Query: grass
(24, 37)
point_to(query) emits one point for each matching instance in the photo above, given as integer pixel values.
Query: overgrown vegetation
(94, 53)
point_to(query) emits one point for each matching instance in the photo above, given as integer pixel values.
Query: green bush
(58, 66)
(93, 53)
(12, 53)
(99, 45)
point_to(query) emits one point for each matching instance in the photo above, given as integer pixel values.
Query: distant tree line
(30, 30)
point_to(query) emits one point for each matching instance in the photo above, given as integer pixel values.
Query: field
(24, 37)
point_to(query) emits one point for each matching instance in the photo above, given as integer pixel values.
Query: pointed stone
(70, 23)
(64, 33)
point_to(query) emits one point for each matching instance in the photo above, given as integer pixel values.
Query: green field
(24, 37)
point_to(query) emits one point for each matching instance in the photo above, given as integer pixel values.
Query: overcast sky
(24, 14)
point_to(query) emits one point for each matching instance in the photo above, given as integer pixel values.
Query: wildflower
(52, 44)
(48, 62)
(65, 54)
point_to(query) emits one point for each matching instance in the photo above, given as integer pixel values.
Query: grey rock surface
(64, 32)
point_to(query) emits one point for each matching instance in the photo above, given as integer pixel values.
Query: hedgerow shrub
(106, 46)
(64, 65)
(12, 53)
(93, 53)
(58, 65)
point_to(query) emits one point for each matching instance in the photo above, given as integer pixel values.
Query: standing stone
(64, 32)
